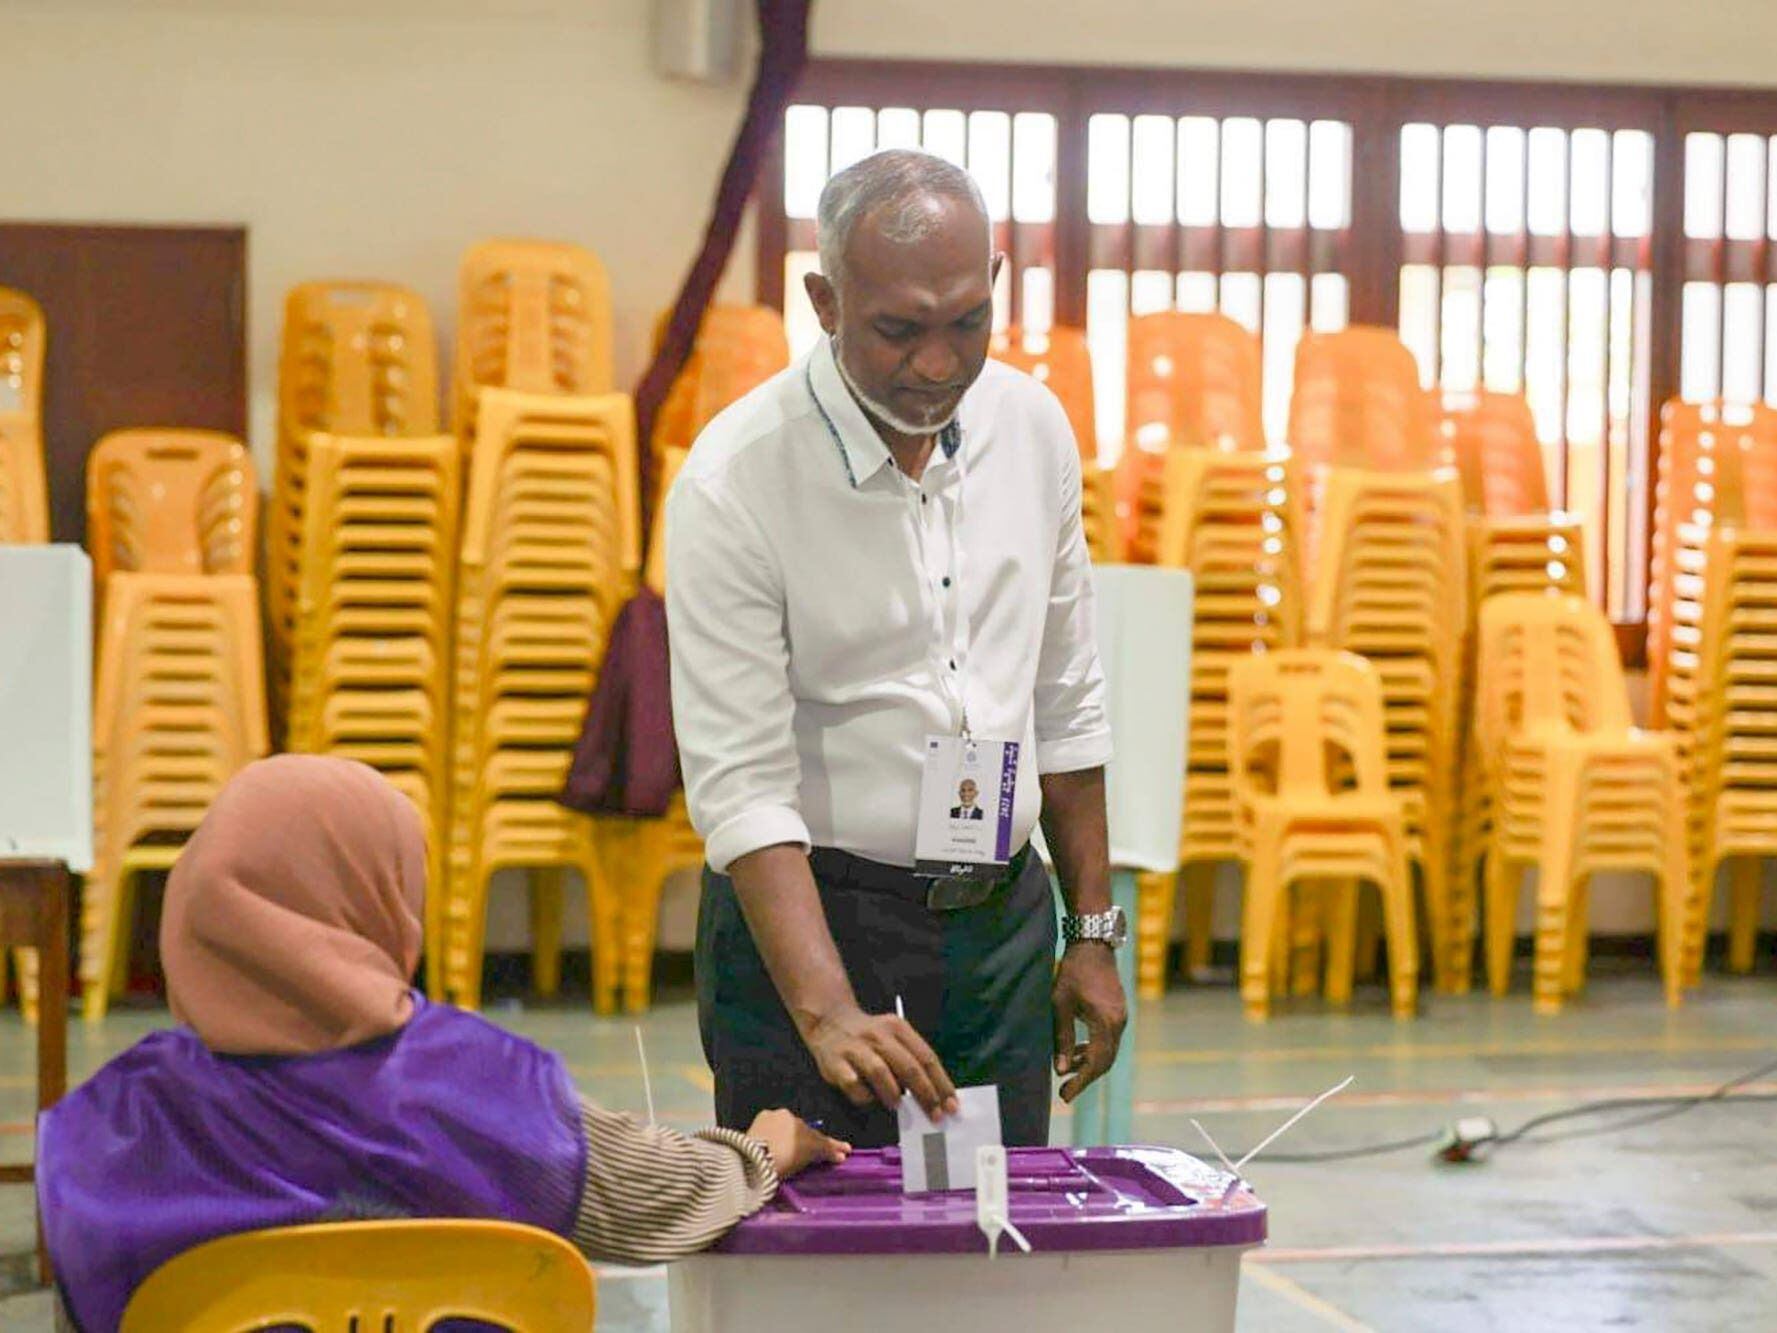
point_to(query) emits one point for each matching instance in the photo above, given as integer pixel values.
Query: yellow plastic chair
(170, 502)
(1579, 789)
(1491, 438)
(1311, 788)
(1230, 518)
(534, 316)
(24, 493)
(1059, 359)
(355, 1277)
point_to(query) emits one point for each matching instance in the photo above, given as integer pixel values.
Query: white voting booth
(46, 747)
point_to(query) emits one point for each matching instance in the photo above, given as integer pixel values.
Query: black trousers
(975, 983)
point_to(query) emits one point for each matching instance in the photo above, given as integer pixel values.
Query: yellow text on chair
(394, 1277)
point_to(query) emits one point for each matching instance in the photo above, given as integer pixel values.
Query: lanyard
(953, 683)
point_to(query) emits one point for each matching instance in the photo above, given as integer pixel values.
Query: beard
(886, 415)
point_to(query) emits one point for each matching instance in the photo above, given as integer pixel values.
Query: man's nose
(935, 362)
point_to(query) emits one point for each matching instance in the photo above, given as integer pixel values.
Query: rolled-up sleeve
(732, 709)
(1073, 731)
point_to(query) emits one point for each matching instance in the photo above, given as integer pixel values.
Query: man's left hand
(1087, 988)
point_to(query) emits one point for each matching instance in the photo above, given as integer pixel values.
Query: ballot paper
(941, 1156)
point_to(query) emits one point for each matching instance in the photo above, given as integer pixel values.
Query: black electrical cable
(1661, 1108)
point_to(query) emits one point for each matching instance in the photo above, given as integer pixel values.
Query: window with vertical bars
(1527, 268)
(1597, 249)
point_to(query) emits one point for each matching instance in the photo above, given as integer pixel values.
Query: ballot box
(1126, 1237)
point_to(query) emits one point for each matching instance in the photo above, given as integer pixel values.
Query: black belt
(950, 893)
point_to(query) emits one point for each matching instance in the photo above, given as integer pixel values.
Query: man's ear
(825, 299)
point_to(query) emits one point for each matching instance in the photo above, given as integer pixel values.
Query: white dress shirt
(813, 592)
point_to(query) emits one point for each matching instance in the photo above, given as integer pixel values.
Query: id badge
(965, 807)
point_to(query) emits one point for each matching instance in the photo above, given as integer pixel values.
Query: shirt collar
(860, 448)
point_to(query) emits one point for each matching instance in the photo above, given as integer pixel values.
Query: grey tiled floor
(1669, 1227)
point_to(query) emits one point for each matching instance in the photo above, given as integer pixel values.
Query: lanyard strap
(956, 692)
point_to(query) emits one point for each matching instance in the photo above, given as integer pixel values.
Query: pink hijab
(292, 920)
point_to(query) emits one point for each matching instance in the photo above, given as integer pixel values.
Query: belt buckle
(955, 893)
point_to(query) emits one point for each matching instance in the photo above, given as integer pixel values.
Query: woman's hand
(793, 1145)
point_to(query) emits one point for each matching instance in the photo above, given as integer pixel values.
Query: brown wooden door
(147, 327)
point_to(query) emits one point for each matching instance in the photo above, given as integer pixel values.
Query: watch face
(1119, 931)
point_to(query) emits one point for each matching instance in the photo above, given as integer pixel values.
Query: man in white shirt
(877, 581)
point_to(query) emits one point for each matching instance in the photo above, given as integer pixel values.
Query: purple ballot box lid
(1062, 1199)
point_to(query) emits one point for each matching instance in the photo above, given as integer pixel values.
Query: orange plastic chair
(1311, 788)
(1579, 789)
(24, 493)
(1060, 360)
(170, 502)
(534, 316)
(353, 1277)
(1357, 403)
(1194, 380)
(1491, 438)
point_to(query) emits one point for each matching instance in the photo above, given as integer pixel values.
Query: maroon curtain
(783, 38)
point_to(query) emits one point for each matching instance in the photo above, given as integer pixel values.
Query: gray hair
(902, 181)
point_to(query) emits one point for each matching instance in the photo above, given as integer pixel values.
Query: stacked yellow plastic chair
(534, 316)
(180, 704)
(24, 497)
(1579, 790)
(1390, 583)
(550, 550)
(1230, 519)
(1691, 435)
(1721, 682)
(370, 663)
(640, 855)
(357, 359)
(1515, 545)
(1357, 403)
(1314, 802)
(1193, 380)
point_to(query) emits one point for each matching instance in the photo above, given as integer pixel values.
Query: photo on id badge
(964, 801)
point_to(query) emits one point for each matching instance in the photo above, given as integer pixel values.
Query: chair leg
(1200, 906)
(1554, 902)
(548, 894)
(1403, 939)
(99, 935)
(602, 913)
(1259, 933)
(1671, 889)
(1155, 892)
(1502, 882)
(640, 915)
(1743, 904)
(467, 948)
(1306, 931)
(1342, 898)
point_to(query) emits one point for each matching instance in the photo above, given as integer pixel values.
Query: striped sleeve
(653, 1194)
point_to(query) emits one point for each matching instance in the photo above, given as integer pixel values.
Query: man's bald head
(905, 194)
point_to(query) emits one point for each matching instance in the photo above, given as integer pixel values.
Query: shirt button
(946, 583)
(922, 498)
(953, 664)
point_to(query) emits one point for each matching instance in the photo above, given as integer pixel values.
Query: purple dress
(169, 1146)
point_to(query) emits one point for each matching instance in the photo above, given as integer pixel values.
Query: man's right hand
(875, 1057)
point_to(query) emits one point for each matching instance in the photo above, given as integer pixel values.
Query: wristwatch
(1110, 928)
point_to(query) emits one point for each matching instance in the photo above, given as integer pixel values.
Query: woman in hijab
(310, 1083)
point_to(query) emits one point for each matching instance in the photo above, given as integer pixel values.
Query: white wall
(374, 139)
(1620, 41)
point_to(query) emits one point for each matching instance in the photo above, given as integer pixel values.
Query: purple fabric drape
(169, 1146)
(627, 762)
